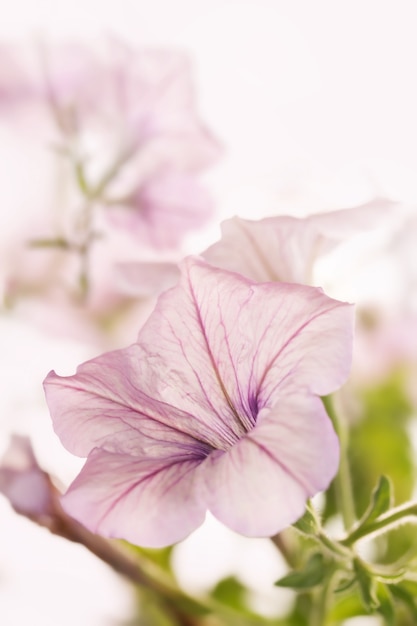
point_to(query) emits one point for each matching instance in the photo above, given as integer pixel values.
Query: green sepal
(308, 524)
(312, 575)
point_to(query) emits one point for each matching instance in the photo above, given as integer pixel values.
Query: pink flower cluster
(217, 404)
(216, 407)
(124, 131)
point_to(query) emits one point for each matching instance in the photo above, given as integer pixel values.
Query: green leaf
(381, 501)
(406, 592)
(232, 592)
(345, 606)
(367, 586)
(380, 443)
(312, 575)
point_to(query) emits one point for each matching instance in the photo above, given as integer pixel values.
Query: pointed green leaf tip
(311, 576)
(381, 501)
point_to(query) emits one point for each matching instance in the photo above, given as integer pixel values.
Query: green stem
(309, 525)
(342, 482)
(385, 522)
(282, 542)
(93, 196)
(321, 600)
(96, 192)
(140, 572)
(334, 547)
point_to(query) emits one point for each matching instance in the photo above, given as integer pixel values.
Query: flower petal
(106, 404)
(216, 350)
(238, 342)
(146, 279)
(164, 207)
(284, 248)
(223, 379)
(138, 500)
(260, 486)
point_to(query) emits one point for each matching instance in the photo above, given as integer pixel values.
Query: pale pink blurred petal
(384, 345)
(27, 487)
(146, 279)
(16, 84)
(163, 208)
(285, 248)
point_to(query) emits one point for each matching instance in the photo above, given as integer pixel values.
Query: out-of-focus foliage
(380, 442)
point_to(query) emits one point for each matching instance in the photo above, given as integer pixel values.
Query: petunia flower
(215, 407)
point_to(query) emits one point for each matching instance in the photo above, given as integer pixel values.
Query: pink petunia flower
(215, 407)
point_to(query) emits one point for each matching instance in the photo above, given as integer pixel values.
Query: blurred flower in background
(126, 146)
(109, 156)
